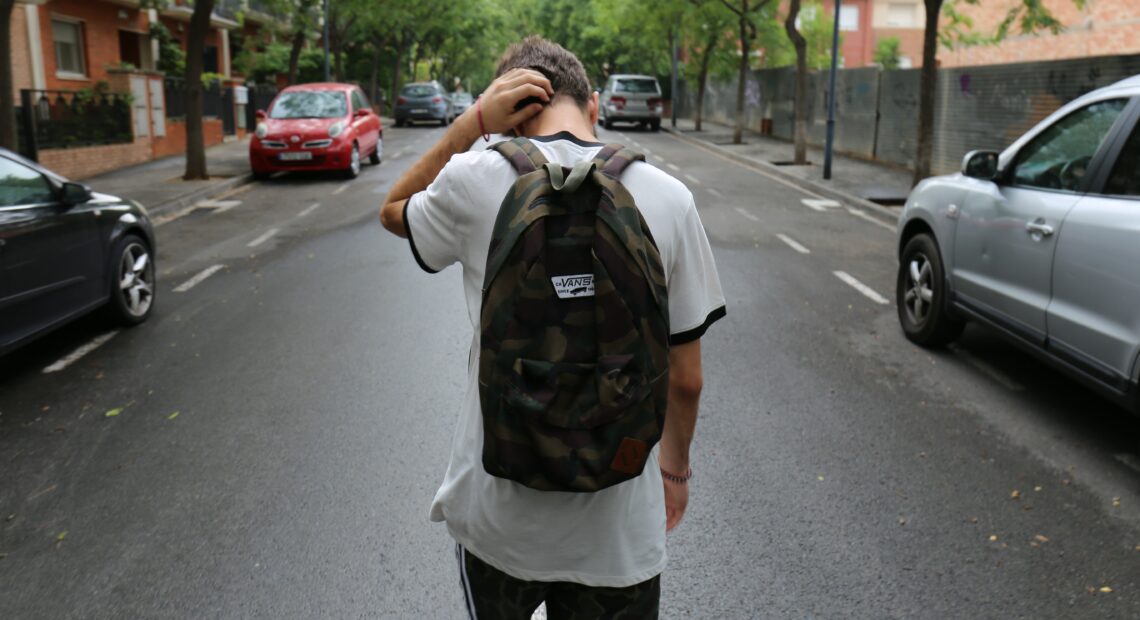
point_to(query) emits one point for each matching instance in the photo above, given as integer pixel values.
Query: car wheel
(399, 122)
(920, 294)
(443, 122)
(353, 162)
(132, 281)
(655, 125)
(377, 153)
(259, 175)
(607, 123)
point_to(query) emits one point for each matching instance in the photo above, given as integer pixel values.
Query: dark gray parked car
(65, 250)
(1040, 241)
(423, 101)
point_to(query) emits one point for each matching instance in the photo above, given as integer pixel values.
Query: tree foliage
(887, 54)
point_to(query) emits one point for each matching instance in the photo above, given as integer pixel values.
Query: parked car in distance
(423, 101)
(324, 126)
(65, 251)
(1040, 242)
(460, 102)
(630, 98)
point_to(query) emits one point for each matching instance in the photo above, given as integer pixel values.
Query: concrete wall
(983, 107)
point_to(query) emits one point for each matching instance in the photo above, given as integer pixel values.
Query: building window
(68, 40)
(900, 15)
(848, 18)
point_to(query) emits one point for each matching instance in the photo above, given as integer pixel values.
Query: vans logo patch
(569, 287)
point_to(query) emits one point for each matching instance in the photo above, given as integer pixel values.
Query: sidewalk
(879, 188)
(158, 184)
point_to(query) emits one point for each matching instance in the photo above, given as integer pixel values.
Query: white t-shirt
(611, 538)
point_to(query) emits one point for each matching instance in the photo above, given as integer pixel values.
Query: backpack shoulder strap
(614, 158)
(524, 156)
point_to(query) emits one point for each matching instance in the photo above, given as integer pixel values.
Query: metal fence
(174, 90)
(984, 107)
(59, 119)
(260, 96)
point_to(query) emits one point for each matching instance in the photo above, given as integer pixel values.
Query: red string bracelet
(479, 113)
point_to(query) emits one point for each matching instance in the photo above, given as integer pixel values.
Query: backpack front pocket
(573, 396)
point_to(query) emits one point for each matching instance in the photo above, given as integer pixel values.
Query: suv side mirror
(980, 165)
(75, 194)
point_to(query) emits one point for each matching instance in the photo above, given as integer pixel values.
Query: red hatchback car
(316, 127)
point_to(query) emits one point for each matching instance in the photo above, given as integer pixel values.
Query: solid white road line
(673, 167)
(819, 204)
(309, 209)
(746, 214)
(75, 355)
(692, 179)
(263, 238)
(867, 291)
(202, 275)
(863, 215)
(792, 243)
(340, 189)
(715, 193)
(995, 374)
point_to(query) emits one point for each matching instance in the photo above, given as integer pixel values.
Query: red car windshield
(310, 104)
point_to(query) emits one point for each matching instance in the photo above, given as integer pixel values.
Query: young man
(587, 555)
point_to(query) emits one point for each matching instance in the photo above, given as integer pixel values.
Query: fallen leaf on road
(1037, 488)
(1116, 502)
(1016, 494)
(61, 535)
(114, 412)
(1065, 482)
(1041, 538)
(902, 521)
(172, 416)
(820, 478)
(1106, 589)
(973, 519)
(993, 537)
(13, 516)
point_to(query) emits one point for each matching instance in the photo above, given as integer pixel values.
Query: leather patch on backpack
(630, 456)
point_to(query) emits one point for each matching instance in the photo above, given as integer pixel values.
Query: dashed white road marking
(263, 238)
(792, 243)
(715, 193)
(746, 214)
(993, 373)
(219, 206)
(863, 215)
(202, 275)
(340, 189)
(75, 355)
(398, 154)
(867, 291)
(380, 189)
(692, 179)
(819, 204)
(309, 209)
(672, 167)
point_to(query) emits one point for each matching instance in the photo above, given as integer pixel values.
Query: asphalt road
(316, 374)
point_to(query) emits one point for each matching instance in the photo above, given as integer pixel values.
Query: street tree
(887, 54)
(714, 21)
(195, 54)
(1030, 16)
(7, 96)
(746, 12)
(799, 130)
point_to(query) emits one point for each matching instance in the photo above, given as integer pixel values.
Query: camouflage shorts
(493, 594)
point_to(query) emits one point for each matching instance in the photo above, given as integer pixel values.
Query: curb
(198, 195)
(886, 214)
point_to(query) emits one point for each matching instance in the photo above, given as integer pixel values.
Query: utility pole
(831, 96)
(326, 38)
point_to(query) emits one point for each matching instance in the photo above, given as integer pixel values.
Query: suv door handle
(1039, 227)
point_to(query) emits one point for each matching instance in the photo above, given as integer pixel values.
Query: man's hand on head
(499, 103)
(500, 111)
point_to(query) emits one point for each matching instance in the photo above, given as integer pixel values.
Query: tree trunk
(195, 51)
(703, 76)
(738, 131)
(7, 96)
(929, 82)
(798, 41)
(295, 54)
(397, 64)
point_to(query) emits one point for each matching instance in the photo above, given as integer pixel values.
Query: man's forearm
(459, 137)
(685, 384)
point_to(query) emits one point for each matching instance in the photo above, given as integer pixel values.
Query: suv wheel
(920, 295)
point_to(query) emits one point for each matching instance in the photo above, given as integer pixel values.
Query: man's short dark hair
(566, 74)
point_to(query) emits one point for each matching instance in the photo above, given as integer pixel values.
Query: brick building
(60, 47)
(863, 23)
(1102, 28)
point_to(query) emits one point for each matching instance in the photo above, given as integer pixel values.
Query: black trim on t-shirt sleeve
(412, 242)
(698, 331)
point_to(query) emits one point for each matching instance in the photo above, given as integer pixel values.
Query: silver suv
(630, 98)
(1041, 242)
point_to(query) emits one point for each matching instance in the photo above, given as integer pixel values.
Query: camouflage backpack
(573, 370)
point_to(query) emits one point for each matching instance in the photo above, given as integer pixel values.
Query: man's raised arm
(497, 107)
